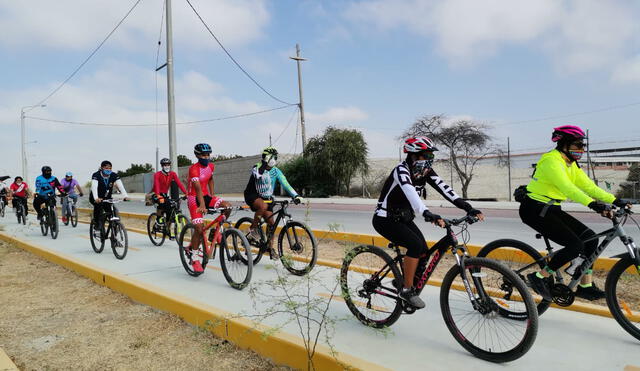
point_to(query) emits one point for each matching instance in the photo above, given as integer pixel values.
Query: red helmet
(418, 144)
(567, 132)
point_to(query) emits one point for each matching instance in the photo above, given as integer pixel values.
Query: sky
(519, 66)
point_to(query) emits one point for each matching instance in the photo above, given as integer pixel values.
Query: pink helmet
(567, 132)
(418, 144)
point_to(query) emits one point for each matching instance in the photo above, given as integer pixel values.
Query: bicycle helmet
(419, 144)
(45, 169)
(567, 132)
(165, 161)
(269, 151)
(68, 173)
(202, 149)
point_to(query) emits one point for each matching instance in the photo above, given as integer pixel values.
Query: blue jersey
(46, 186)
(265, 183)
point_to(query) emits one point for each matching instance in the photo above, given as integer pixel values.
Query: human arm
(156, 183)
(590, 188)
(94, 190)
(80, 191)
(448, 193)
(120, 186)
(554, 169)
(285, 184)
(178, 182)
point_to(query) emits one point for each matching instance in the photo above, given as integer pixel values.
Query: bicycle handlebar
(469, 219)
(222, 209)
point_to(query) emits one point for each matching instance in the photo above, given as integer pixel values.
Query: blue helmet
(68, 173)
(202, 149)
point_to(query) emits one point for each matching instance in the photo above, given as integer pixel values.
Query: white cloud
(628, 71)
(69, 24)
(578, 35)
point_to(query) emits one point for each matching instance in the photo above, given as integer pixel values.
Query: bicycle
(235, 256)
(174, 223)
(2, 205)
(108, 226)
(622, 285)
(471, 295)
(301, 244)
(20, 211)
(49, 220)
(70, 212)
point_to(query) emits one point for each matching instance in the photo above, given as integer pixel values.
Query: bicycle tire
(97, 242)
(186, 254)
(2, 206)
(19, 212)
(74, 217)
(156, 237)
(119, 239)
(618, 300)
(67, 215)
(362, 273)
(54, 227)
(477, 270)
(519, 254)
(44, 224)
(259, 247)
(293, 254)
(230, 259)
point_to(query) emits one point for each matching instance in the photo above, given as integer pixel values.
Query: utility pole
(509, 165)
(171, 109)
(299, 59)
(589, 163)
(23, 137)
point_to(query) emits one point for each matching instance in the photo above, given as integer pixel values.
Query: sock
(587, 285)
(539, 275)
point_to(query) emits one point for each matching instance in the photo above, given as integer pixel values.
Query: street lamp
(23, 110)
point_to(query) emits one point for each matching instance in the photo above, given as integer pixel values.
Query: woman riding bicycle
(162, 186)
(20, 190)
(556, 178)
(398, 201)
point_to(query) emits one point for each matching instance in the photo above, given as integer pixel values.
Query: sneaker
(40, 217)
(590, 293)
(64, 219)
(411, 297)
(540, 286)
(197, 267)
(254, 234)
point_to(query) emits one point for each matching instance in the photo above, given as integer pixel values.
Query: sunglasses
(579, 145)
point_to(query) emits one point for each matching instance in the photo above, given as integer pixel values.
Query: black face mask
(47, 175)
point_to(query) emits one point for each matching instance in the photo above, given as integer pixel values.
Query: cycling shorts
(192, 203)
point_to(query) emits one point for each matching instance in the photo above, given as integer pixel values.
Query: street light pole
(299, 59)
(23, 141)
(173, 153)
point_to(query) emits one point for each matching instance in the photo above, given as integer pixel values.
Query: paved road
(420, 341)
(356, 218)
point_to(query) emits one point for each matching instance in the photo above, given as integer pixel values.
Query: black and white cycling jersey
(399, 192)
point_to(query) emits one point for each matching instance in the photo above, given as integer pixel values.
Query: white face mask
(166, 169)
(272, 162)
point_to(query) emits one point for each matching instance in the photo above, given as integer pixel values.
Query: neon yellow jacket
(554, 179)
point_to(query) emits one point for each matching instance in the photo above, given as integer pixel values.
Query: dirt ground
(53, 319)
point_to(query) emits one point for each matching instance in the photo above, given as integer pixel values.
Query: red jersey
(162, 182)
(19, 190)
(201, 174)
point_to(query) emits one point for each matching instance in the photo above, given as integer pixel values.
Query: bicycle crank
(562, 295)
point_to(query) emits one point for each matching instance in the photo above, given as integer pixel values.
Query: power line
(112, 124)
(287, 126)
(90, 55)
(232, 58)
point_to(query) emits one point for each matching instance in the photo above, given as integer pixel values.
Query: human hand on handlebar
(126, 199)
(298, 200)
(621, 203)
(436, 219)
(602, 209)
(477, 213)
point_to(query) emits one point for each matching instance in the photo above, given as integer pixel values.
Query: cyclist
(4, 189)
(399, 202)
(69, 185)
(556, 178)
(200, 194)
(161, 185)
(262, 183)
(46, 184)
(102, 182)
(19, 190)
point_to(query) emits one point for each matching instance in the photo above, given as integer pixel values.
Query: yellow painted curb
(6, 364)
(280, 347)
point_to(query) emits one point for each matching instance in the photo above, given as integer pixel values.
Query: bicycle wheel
(44, 223)
(257, 251)
(520, 258)
(19, 213)
(370, 281)
(74, 217)
(188, 254)
(67, 214)
(178, 225)
(53, 223)
(154, 231)
(298, 248)
(119, 240)
(2, 209)
(96, 236)
(236, 269)
(623, 295)
(478, 326)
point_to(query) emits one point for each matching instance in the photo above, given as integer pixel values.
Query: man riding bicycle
(19, 190)
(46, 184)
(4, 189)
(556, 178)
(69, 185)
(162, 181)
(262, 183)
(399, 202)
(102, 182)
(200, 194)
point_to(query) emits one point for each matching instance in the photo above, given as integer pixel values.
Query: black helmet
(202, 149)
(165, 161)
(105, 163)
(46, 169)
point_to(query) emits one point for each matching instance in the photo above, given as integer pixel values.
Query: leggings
(560, 228)
(407, 235)
(23, 201)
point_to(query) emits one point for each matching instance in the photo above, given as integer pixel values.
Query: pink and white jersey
(201, 174)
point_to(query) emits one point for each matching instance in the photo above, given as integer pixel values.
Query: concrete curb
(280, 347)
(6, 364)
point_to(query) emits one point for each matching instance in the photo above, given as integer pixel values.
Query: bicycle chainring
(406, 307)
(562, 295)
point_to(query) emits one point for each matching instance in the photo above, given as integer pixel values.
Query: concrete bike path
(566, 340)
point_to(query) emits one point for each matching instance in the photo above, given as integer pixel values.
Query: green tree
(298, 173)
(184, 161)
(136, 169)
(631, 188)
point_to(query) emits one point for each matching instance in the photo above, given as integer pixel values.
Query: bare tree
(466, 141)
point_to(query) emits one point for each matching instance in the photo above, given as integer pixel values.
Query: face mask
(46, 175)
(166, 169)
(576, 155)
(18, 183)
(106, 172)
(272, 162)
(420, 168)
(203, 161)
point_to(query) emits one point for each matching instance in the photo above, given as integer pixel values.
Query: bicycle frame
(279, 214)
(210, 249)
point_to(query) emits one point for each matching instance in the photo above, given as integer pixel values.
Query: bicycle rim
(97, 243)
(257, 247)
(74, 218)
(156, 233)
(235, 258)
(298, 248)
(623, 295)
(54, 226)
(188, 255)
(483, 330)
(119, 240)
(369, 280)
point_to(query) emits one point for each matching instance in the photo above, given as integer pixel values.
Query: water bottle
(575, 264)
